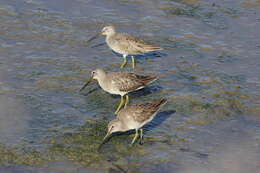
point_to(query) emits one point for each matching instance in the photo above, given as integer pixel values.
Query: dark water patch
(176, 44)
(90, 91)
(226, 58)
(197, 154)
(99, 45)
(117, 169)
(100, 100)
(186, 2)
(190, 11)
(158, 120)
(212, 15)
(146, 91)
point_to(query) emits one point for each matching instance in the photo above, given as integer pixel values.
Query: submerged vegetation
(18, 156)
(213, 95)
(81, 147)
(218, 96)
(72, 124)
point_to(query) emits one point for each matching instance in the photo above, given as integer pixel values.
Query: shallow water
(209, 72)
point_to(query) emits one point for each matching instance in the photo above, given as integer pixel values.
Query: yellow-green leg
(133, 62)
(141, 136)
(124, 62)
(120, 104)
(136, 135)
(126, 100)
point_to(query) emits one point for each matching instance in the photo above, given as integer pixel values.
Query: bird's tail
(160, 102)
(152, 48)
(148, 79)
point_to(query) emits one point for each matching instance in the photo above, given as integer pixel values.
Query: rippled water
(209, 72)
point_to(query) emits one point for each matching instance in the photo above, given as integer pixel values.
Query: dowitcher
(120, 83)
(126, 44)
(134, 116)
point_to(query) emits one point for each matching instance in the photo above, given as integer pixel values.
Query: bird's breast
(116, 45)
(110, 87)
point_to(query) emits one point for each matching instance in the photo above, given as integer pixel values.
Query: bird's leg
(124, 62)
(133, 62)
(141, 136)
(126, 100)
(136, 135)
(120, 104)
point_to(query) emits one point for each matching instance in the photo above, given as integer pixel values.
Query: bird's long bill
(94, 37)
(108, 135)
(105, 139)
(86, 84)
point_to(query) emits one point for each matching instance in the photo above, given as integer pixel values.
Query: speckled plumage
(126, 44)
(121, 83)
(129, 45)
(140, 113)
(134, 116)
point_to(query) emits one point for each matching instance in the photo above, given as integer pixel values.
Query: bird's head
(108, 30)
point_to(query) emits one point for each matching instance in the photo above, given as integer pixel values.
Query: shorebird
(135, 116)
(126, 44)
(120, 83)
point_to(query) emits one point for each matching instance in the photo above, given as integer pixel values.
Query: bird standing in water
(126, 44)
(135, 116)
(120, 83)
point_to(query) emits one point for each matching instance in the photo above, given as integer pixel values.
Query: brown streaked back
(127, 82)
(146, 79)
(142, 112)
(130, 44)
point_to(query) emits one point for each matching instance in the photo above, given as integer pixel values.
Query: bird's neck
(101, 79)
(110, 35)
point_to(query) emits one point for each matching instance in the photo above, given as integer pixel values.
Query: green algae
(188, 11)
(80, 147)
(203, 95)
(217, 105)
(211, 95)
(187, 2)
(13, 155)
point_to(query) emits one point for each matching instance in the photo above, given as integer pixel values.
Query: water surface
(209, 72)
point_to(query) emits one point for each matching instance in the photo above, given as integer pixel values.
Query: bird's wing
(126, 81)
(143, 111)
(134, 44)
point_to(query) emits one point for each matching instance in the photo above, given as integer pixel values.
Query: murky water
(209, 71)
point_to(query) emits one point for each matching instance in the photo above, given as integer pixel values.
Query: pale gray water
(210, 75)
